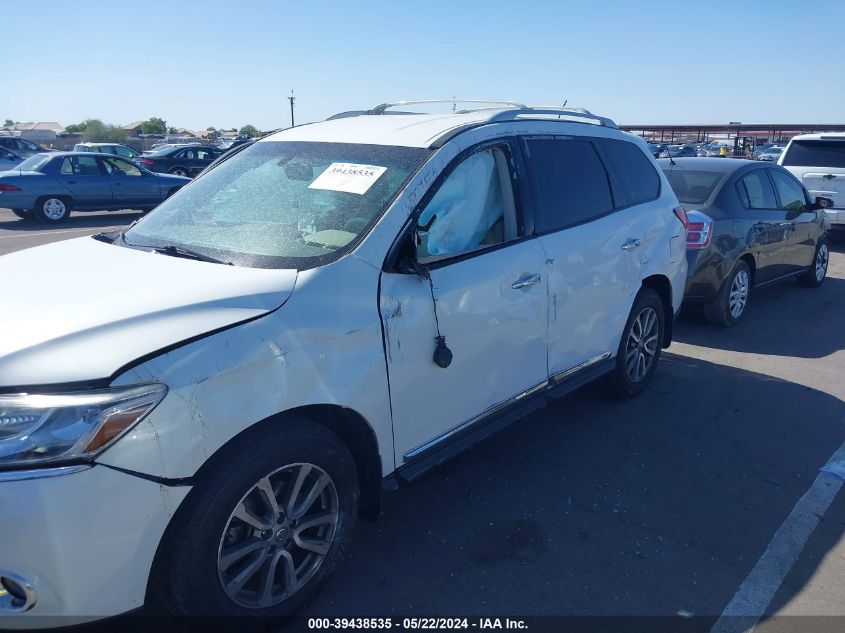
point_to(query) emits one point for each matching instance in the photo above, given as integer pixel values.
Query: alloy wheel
(821, 262)
(738, 297)
(278, 535)
(54, 209)
(642, 345)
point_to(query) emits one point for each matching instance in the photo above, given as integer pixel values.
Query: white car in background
(818, 161)
(337, 307)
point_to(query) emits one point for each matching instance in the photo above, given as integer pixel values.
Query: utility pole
(291, 98)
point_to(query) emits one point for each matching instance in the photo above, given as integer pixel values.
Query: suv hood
(81, 309)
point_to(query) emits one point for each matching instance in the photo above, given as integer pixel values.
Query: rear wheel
(53, 209)
(179, 171)
(639, 349)
(730, 305)
(265, 527)
(816, 274)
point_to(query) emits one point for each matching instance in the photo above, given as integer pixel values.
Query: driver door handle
(630, 244)
(525, 281)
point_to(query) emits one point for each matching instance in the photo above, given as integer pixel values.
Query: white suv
(818, 161)
(319, 316)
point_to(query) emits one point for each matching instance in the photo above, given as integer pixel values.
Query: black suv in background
(184, 160)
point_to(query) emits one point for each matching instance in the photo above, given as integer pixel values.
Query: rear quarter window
(571, 182)
(635, 179)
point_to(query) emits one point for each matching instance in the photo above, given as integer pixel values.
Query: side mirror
(823, 203)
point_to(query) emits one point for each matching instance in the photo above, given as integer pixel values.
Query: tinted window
(634, 176)
(756, 191)
(571, 182)
(816, 154)
(791, 194)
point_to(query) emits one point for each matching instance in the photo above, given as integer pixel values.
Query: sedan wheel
(821, 262)
(729, 306)
(816, 274)
(738, 297)
(277, 536)
(53, 210)
(179, 172)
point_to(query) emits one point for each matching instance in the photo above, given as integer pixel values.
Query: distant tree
(76, 128)
(154, 125)
(171, 130)
(96, 131)
(211, 129)
(249, 130)
(8, 123)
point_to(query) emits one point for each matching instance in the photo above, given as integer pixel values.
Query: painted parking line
(47, 233)
(752, 598)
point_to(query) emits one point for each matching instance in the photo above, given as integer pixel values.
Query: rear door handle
(630, 244)
(525, 281)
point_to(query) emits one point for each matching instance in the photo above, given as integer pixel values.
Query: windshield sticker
(348, 177)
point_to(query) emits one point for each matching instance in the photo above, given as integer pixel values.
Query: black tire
(23, 214)
(188, 575)
(53, 209)
(623, 382)
(817, 272)
(737, 288)
(180, 171)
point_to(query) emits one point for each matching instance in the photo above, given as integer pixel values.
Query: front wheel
(265, 526)
(639, 349)
(816, 274)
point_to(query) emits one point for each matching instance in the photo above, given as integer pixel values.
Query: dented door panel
(496, 332)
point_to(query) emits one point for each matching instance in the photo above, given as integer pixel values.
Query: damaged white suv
(200, 417)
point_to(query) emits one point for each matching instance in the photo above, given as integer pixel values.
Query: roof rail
(379, 109)
(551, 113)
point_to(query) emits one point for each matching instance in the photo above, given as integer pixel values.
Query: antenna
(291, 98)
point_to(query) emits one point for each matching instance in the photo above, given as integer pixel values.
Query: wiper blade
(181, 251)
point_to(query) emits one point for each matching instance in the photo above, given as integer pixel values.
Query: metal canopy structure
(770, 131)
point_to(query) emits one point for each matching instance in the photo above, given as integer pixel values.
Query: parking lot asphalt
(700, 495)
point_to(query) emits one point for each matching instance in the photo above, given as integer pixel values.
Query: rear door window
(816, 154)
(571, 183)
(755, 191)
(635, 179)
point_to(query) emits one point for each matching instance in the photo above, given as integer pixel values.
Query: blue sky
(226, 63)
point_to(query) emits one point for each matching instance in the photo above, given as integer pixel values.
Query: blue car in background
(48, 186)
(9, 159)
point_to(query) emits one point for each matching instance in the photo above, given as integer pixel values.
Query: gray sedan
(751, 224)
(48, 186)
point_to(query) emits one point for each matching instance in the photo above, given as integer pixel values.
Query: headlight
(46, 428)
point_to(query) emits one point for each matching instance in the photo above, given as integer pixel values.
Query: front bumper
(84, 540)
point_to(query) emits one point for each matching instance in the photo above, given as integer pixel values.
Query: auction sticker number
(348, 177)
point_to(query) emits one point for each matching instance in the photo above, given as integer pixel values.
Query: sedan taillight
(699, 230)
(146, 161)
(681, 214)
(5, 187)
